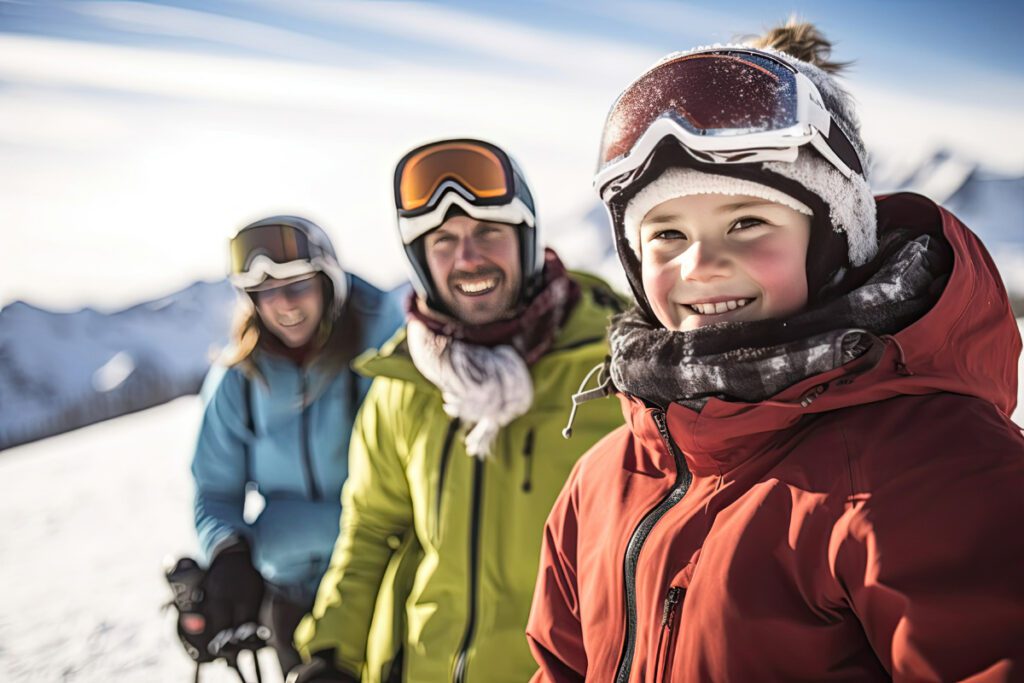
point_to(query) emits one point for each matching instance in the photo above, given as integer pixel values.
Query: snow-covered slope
(59, 371)
(88, 520)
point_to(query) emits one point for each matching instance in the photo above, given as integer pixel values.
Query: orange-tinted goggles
(279, 243)
(479, 171)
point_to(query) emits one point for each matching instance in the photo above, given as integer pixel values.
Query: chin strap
(603, 388)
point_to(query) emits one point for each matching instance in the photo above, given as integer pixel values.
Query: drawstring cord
(603, 388)
(901, 362)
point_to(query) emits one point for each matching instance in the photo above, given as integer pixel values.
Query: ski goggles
(723, 106)
(271, 251)
(474, 175)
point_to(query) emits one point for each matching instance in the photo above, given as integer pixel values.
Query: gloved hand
(320, 669)
(233, 595)
(194, 630)
(232, 580)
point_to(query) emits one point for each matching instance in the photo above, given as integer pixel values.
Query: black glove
(218, 609)
(234, 585)
(194, 627)
(320, 669)
(233, 595)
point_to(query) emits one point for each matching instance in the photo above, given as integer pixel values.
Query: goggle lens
(279, 243)
(295, 290)
(709, 94)
(474, 167)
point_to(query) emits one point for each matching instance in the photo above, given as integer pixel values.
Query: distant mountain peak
(938, 174)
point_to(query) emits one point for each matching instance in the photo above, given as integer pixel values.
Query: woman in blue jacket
(277, 417)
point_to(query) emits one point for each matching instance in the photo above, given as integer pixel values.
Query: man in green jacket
(457, 454)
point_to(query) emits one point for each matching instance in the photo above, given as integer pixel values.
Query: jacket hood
(967, 343)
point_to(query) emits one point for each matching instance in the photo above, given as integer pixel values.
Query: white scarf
(482, 386)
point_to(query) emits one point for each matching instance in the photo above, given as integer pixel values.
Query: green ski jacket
(438, 551)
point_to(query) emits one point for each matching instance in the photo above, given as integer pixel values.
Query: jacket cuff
(231, 544)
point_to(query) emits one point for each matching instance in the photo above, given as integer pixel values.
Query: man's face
(475, 268)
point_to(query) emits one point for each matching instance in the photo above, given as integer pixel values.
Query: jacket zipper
(672, 600)
(528, 455)
(637, 540)
(446, 451)
(474, 543)
(307, 460)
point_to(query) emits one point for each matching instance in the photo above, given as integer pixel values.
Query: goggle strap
(841, 146)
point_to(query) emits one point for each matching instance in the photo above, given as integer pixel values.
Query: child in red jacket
(818, 479)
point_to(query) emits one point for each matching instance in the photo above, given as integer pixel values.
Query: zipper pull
(671, 600)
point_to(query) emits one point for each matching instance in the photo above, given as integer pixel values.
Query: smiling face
(475, 268)
(712, 258)
(291, 309)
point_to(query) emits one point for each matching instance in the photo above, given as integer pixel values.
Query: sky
(137, 136)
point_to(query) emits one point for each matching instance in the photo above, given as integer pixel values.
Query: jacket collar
(968, 343)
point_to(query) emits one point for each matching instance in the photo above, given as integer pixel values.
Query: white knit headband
(684, 182)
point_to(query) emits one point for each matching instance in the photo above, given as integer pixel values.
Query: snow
(89, 519)
(113, 373)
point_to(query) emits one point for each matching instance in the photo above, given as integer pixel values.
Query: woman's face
(713, 258)
(291, 309)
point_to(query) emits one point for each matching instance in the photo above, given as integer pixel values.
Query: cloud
(559, 53)
(896, 123)
(162, 150)
(217, 29)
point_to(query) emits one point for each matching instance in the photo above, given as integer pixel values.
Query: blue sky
(912, 42)
(137, 135)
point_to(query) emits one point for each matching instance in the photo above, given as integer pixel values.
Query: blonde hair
(803, 40)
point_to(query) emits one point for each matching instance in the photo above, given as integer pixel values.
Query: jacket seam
(849, 462)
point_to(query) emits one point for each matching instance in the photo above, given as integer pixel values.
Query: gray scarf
(753, 361)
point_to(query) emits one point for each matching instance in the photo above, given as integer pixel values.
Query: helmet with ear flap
(452, 199)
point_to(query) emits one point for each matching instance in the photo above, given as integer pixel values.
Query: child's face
(712, 258)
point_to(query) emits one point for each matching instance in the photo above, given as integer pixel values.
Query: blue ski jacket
(285, 433)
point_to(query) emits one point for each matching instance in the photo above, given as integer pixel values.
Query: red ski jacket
(864, 524)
